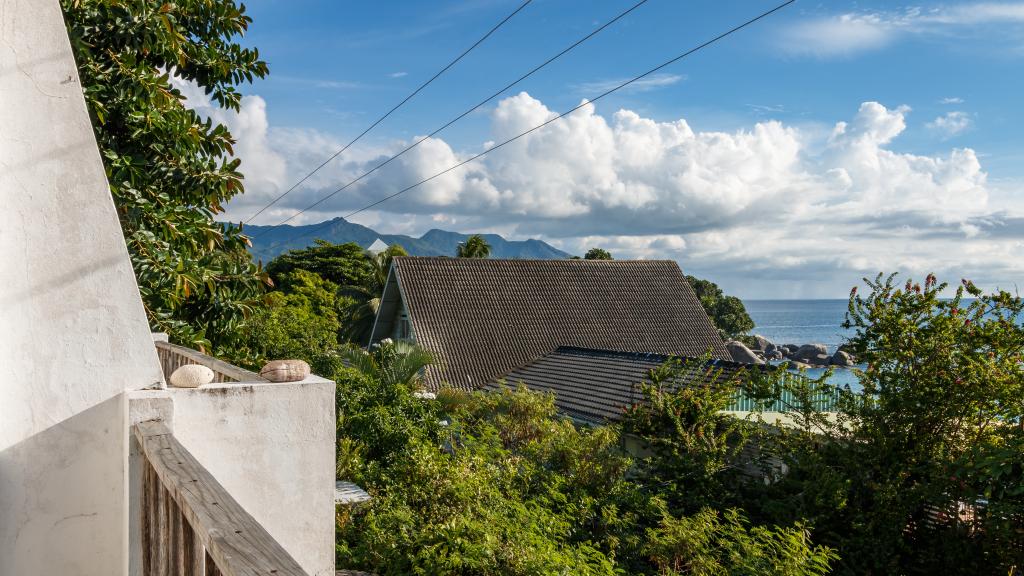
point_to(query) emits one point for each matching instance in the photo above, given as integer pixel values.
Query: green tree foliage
(473, 496)
(169, 170)
(727, 312)
(359, 275)
(498, 483)
(693, 445)
(345, 264)
(597, 254)
(378, 416)
(391, 363)
(919, 474)
(474, 247)
(711, 544)
(944, 388)
(449, 514)
(299, 321)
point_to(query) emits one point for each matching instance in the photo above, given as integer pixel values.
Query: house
(596, 386)
(485, 317)
(377, 247)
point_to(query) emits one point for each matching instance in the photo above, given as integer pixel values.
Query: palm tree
(474, 247)
(364, 299)
(391, 363)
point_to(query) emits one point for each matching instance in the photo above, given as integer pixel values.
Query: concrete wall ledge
(271, 445)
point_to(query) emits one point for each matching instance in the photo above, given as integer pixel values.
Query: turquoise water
(804, 322)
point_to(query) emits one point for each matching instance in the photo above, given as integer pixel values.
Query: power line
(460, 116)
(395, 107)
(553, 119)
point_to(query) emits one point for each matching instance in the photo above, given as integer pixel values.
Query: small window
(403, 329)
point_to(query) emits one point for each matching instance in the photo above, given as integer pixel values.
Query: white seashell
(191, 376)
(285, 370)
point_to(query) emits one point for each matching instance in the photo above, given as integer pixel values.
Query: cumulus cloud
(854, 32)
(770, 210)
(251, 128)
(951, 123)
(951, 100)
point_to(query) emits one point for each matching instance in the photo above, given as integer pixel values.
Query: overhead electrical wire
(497, 93)
(669, 62)
(389, 112)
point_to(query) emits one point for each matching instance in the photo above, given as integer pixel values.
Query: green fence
(823, 401)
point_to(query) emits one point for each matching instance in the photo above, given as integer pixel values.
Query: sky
(826, 143)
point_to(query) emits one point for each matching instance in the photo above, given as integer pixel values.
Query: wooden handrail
(172, 356)
(191, 525)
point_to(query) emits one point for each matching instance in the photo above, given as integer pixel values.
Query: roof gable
(484, 317)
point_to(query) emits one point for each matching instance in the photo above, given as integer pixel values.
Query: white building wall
(74, 335)
(272, 447)
(74, 339)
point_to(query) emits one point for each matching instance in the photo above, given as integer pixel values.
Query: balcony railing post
(146, 526)
(191, 525)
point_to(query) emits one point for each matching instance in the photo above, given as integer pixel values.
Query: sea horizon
(804, 321)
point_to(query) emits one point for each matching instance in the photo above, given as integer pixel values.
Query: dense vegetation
(922, 473)
(170, 171)
(477, 483)
(727, 313)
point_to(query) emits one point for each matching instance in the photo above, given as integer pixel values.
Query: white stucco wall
(272, 447)
(74, 333)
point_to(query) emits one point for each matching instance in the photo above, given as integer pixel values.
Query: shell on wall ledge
(285, 370)
(191, 376)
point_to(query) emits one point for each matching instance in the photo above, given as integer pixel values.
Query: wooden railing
(191, 525)
(173, 356)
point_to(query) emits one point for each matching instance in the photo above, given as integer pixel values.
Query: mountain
(270, 241)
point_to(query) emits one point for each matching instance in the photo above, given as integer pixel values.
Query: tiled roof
(484, 317)
(596, 385)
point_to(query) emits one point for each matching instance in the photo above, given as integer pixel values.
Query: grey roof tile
(484, 317)
(597, 385)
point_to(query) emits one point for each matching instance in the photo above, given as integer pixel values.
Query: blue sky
(897, 123)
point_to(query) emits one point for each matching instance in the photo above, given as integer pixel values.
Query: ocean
(800, 321)
(804, 322)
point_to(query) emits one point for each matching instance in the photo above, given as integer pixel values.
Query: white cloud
(763, 109)
(951, 123)
(854, 32)
(319, 83)
(981, 13)
(840, 35)
(769, 210)
(952, 100)
(652, 82)
(251, 129)
(398, 74)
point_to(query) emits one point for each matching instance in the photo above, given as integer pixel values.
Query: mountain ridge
(275, 240)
